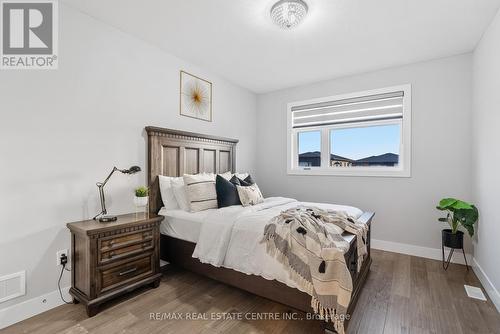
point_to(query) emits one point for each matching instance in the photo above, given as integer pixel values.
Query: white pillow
(167, 193)
(241, 176)
(250, 195)
(180, 192)
(200, 190)
(227, 175)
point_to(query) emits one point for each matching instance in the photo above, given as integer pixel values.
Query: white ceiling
(236, 38)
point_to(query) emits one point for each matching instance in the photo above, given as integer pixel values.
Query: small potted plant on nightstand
(141, 196)
(458, 213)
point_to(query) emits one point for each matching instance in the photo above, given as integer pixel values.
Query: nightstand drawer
(113, 277)
(121, 240)
(133, 248)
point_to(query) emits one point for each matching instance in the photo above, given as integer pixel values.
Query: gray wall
(441, 157)
(487, 153)
(63, 130)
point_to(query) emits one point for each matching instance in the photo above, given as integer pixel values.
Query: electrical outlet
(59, 254)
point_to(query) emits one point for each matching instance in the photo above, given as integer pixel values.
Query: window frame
(404, 166)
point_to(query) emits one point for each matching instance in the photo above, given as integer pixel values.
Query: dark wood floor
(403, 294)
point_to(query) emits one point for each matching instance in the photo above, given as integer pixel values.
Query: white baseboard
(487, 285)
(429, 253)
(29, 308)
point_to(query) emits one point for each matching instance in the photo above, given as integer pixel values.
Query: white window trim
(404, 168)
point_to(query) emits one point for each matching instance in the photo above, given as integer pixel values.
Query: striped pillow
(200, 191)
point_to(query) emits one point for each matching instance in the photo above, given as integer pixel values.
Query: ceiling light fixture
(288, 13)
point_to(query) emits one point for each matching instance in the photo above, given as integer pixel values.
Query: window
(309, 144)
(363, 134)
(374, 145)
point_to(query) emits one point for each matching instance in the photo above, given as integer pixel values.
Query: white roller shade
(366, 108)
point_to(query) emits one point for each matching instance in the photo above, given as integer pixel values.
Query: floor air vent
(474, 292)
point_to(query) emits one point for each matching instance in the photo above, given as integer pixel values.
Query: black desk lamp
(100, 185)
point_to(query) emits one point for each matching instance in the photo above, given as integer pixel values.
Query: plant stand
(452, 241)
(446, 263)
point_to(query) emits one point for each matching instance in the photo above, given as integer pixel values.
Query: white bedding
(181, 224)
(230, 237)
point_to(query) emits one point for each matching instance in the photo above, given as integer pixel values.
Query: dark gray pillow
(248, 181)
(227, 194)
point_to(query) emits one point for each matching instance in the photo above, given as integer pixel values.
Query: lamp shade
(132, 170)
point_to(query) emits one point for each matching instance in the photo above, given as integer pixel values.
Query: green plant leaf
(142, 192)
(459, 205)
(446, 203)
(467, 218)
(444, 220)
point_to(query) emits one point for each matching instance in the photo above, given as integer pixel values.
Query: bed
(174, 153)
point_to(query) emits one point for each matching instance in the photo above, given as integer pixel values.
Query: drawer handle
(127, 271)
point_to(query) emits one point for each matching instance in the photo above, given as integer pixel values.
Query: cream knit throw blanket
(308, 242)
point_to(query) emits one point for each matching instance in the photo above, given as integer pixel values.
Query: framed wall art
(195, 97)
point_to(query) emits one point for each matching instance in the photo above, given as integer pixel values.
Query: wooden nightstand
(109, 259)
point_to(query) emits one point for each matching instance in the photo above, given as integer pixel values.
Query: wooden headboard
(175, 153)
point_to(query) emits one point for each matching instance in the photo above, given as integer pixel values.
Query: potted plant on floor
(141, 196)
(458, 213)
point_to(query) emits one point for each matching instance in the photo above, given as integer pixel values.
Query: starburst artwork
(196, 97)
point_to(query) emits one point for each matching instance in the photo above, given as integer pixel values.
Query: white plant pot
(141, 201)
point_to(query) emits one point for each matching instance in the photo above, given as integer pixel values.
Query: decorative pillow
(227, 194)
(241, 176)
(226, 175)
(212, 175)
(248, 181)
(200, 190)
(167, 193)
(234, 180)
(180, 192)
(250, 195)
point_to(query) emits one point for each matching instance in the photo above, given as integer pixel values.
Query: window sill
(359, 172)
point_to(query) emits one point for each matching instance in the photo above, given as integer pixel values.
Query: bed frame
(174, 153)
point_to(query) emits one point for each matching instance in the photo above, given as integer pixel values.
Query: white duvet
(230, 237)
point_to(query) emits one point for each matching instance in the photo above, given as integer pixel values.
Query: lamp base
(108, 219)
